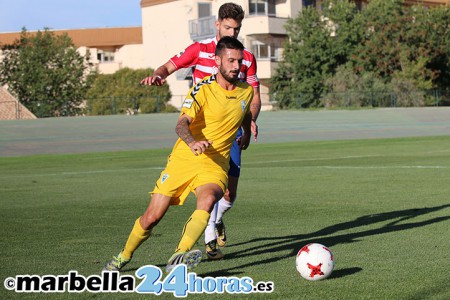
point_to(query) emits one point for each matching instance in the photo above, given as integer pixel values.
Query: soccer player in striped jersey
(210, 118)
(200, 57)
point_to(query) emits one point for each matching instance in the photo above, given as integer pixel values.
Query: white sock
(223, 207)
(210, 232)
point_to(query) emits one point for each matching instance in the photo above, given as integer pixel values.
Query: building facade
(169, 26)
(110, 49)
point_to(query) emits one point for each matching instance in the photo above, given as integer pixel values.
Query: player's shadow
(329, 236)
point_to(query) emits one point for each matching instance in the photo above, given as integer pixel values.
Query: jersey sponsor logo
(188, 103)
(246, 63)
(243, 105)
(207, 55)
(208, 70)
(231, 97)
(164, 177)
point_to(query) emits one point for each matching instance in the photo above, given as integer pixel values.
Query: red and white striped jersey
(200, 57)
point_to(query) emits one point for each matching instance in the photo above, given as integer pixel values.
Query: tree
(380, 49)
(349, 89)
(386, 46)
(405, 42)
(121, 92)
(46, 73)
(318, 44)
(406, 47)
(432, 41)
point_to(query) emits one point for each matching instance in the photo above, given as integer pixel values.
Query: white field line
(384, 167)
(341, 167)
(310, 159)
(354, 167)
(161, 168)
(247, 164)
(438, 151)
(83, 172)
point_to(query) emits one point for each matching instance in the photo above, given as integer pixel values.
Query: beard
(229, 76)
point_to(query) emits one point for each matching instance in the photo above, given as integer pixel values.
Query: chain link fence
(118, 105)
(353, 99)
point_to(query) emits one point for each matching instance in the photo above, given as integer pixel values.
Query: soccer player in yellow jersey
(200, 57)
(211, 115)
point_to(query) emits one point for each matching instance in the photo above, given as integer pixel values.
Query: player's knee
(207, 202)
(149, 221)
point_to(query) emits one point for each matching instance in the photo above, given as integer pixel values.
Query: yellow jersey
(217, 115)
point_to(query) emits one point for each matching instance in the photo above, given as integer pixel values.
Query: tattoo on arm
(183, 131)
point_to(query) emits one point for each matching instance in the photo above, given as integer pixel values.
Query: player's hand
(244, 141)
(199, 147)
(153, 80)
(254, 129)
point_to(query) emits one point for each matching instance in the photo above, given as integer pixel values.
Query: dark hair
(228, 42)
(231, 10)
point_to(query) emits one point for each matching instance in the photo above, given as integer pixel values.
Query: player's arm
(255, 108)
(185, 59)
(184, 132)
(244, 140)
(159, 76)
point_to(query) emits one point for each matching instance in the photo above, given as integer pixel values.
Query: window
(202, 27)
(307, 3)
(105, 56)
(266, 51)
(267, 47)
(262, 7)
(204, 10)
(262, 51)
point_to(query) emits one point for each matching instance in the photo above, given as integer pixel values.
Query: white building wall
(130, 56)
(165, 31)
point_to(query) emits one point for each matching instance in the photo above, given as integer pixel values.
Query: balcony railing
(202, 28)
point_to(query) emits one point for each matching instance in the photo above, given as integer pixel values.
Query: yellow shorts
(182, 176)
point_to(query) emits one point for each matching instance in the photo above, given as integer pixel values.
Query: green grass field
(381, 205)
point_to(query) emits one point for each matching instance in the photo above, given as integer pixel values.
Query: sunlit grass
(381, 206)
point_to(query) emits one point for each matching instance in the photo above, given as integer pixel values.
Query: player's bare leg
(140, 232)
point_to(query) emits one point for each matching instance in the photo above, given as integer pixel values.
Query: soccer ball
(314, 262)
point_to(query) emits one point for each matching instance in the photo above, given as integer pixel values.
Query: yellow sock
(137, 236)
(194, 228)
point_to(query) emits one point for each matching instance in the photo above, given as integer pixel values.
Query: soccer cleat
(221, 235)
(116, 264)
(191, 259)
(212, 251)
